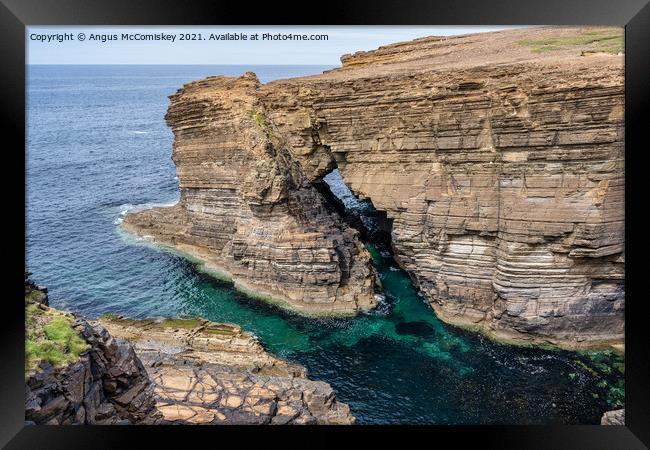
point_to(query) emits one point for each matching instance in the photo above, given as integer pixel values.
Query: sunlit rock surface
(209, 373)
(499, 158)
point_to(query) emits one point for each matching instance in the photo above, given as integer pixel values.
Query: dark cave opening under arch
(373, 225)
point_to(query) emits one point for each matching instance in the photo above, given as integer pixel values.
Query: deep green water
(97, 145)
(401, 364)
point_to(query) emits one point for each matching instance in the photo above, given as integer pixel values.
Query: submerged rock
(420, 329)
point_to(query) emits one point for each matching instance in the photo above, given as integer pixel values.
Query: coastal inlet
(397, 364)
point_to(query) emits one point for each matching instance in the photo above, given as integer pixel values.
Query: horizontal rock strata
(208, 373)
(247, 209)
(497, 156)
(171, 371)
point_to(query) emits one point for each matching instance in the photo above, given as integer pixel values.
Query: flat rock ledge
(169, 371)
(209, 373)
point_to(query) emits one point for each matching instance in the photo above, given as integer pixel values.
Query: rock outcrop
(498, 157)
(247, 209)
(209, 373)
(106, 385)
(35, 293)
(173, 371)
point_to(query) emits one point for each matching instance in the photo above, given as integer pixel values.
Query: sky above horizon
(98, 46)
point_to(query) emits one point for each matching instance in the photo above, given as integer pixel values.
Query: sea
(98, 147)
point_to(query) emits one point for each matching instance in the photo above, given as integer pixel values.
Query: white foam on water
(124, 209)
(128, 207)
(139, 132)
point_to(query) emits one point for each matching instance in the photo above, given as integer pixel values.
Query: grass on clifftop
(605, 41)
(50, 337)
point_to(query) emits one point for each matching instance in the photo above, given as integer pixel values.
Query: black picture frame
(15, 15)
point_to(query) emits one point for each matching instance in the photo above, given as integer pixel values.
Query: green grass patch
(110, 316)
(118, 319)
(259, 119)
(261, 122)
(57, 342)
(32, 296)
(31, 311)
(605, 41)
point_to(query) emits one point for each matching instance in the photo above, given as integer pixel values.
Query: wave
(139, 132)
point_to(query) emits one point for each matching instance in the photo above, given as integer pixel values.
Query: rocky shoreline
(210, 373)
(173, 371)
(106, 385)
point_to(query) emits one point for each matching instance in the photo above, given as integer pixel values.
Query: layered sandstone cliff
(247, 208)
(497, 157)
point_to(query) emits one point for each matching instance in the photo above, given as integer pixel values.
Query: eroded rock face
(108, 385)
(208, 373)
(173, 371)
(248, 210)
(501, 167)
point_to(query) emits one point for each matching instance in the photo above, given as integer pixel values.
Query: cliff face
(247, 208)
(105, 385)
(498, 157)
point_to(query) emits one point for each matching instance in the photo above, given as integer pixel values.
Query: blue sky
(342, 40)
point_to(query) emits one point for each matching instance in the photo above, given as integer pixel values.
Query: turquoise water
(98, 147)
